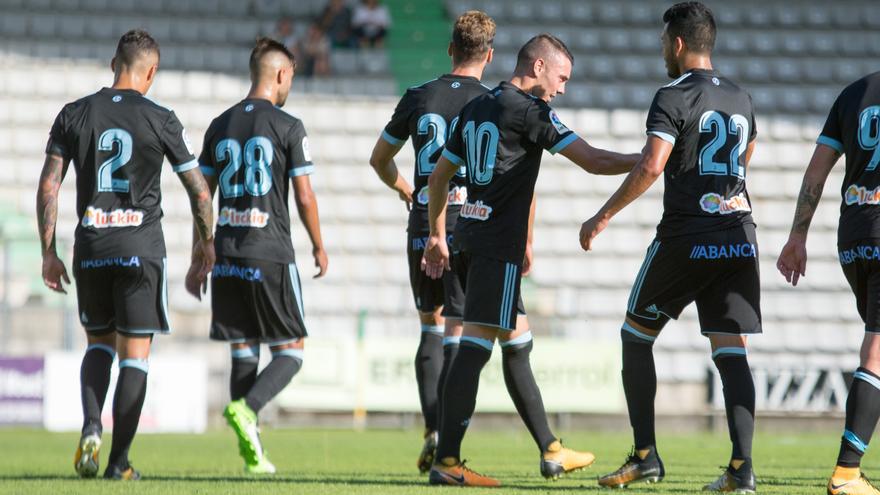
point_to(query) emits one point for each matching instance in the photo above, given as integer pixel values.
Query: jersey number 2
(737, 126)
(122, 139)
(869, 134)
(258, 154)
(427, 123)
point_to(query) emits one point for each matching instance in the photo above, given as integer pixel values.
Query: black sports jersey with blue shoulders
(710, 121)
(500, 138)
(428, 113)
(254, 149)
(853, 129)
(117, 140)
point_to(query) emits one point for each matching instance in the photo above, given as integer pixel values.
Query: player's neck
(124, 81)
(261, 93)
(524, 83)
(470, 70)
(695, 61)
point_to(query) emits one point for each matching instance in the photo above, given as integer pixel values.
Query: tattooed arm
(792, 262)
(53, 172)
(201, 204)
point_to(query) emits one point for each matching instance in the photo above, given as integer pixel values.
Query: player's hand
(320, 261)
(405, 192)
(590, 229)
(436, 258)
(54, 272)
(792, 262)
(527, 260)
(203, 259)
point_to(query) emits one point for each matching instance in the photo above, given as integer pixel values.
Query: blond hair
(472, 36)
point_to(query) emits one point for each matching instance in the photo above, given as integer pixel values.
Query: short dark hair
(472, 36)
(694, 23)
(264, 46)
(132, 45)
(536, 48)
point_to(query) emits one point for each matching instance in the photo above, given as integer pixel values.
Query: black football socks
(94, 379)
(245, 361)
(739, 399)
(128, 400)
(523, 390)
(862, 412)
(460, 394)
(639, 384)
(284, 365)
(450, 350)
(429, 365)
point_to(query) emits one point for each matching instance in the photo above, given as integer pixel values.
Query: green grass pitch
(383, 462)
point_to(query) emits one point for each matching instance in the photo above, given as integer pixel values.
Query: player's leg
(729, 355)
(96, 311)
(863, 401)
(661, 291)
(491, 289)
(516, 347)
(140, 298)
(428, 298)
(287, 360)
(245, 355)
(94, 380)
(128, 401)
(729, 309)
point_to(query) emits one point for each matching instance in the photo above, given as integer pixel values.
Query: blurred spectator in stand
(284, 33)
(335, 20)
(371, 22)
(312, 53)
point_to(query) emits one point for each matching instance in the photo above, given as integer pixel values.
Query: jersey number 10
(482, 149)
(258, 154)
(738, 127)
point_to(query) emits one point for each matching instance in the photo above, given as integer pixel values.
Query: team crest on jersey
(554, 119)
(716, 203)
(116, 99)
(477, 211)
(250, 217)
(186, 142)
(455, 85)
(861, 195)
(306, 149)
(100, 219)
(249, 107)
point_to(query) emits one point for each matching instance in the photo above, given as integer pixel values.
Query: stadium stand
(793, 57)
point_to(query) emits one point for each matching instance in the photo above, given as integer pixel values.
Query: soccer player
(853, 129)
(253, 151)
(701, 131)
(429, 114)
(499, 139)
(117, 139)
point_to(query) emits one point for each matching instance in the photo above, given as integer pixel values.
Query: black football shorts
(717, 270)
(127, 294)
(491, 290)
(256, 300)
(429, 293)
(860, 261)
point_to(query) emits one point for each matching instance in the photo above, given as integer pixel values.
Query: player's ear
(449, 49)
(151, 73)
(490, 55)
(678, 46)
(538, 66)
(113, 64)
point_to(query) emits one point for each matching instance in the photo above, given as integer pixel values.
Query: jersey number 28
(258, 154)
(738, 127)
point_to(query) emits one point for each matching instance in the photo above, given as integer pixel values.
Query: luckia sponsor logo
(476, 211)
(716, 203)
(250, 217)
(100, 219)
(457, 196)
(861, 195)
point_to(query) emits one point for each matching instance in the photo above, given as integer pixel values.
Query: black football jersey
(254, 149)
(429, 114)
(853, 128)
(117, 140)
(710, 122)
(500, 138)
